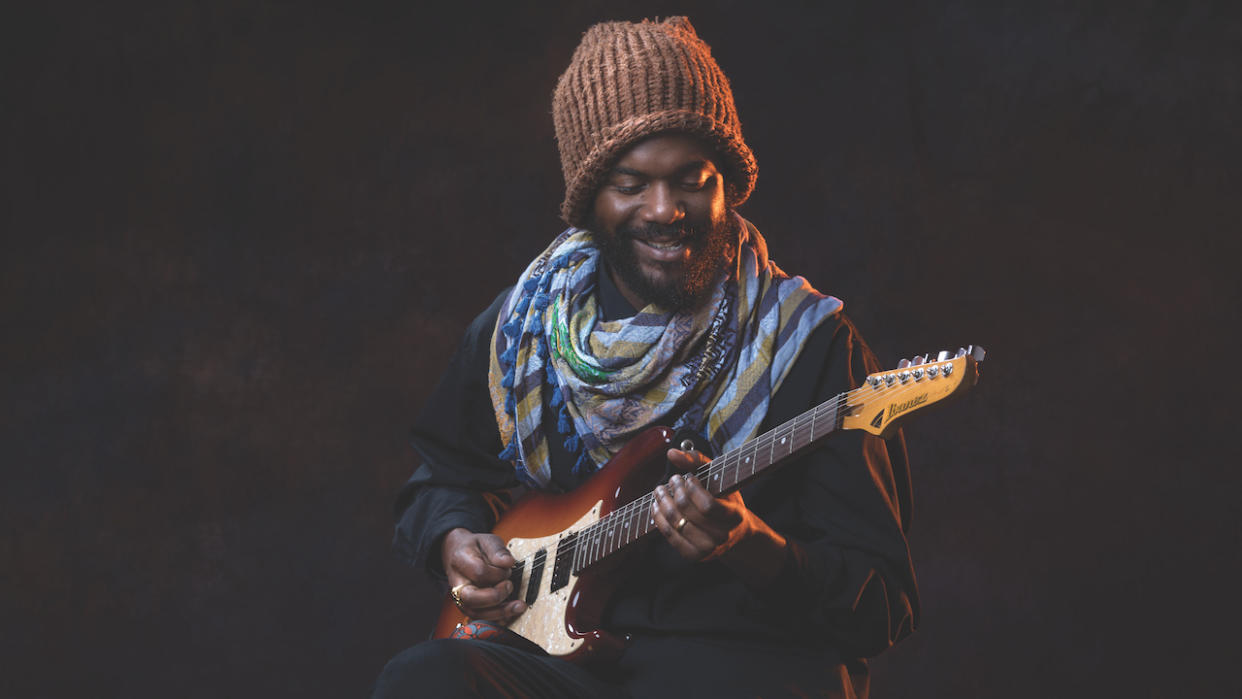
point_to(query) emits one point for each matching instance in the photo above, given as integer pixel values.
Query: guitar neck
(736, 467)
(876, 407)
(721, 476)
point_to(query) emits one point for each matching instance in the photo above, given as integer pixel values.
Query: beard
(684, 285)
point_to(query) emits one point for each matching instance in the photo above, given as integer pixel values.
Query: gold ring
(681, 524)
(455, 593)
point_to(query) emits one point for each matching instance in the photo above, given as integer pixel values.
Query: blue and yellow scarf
(712, 369)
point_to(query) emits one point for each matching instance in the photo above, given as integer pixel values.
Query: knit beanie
(628, 81)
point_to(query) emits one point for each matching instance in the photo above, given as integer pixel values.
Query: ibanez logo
(897, 408)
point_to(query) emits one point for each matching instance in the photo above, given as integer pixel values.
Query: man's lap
(652, 666)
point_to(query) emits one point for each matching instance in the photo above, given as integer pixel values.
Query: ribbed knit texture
(630, 80)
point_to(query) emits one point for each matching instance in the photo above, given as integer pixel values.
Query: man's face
(662, 223)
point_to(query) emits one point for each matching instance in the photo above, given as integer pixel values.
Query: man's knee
(433, 668)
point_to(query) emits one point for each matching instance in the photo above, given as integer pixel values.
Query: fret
(636, 519)
(601, 541)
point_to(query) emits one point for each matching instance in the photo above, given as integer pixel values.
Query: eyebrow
(685, 169)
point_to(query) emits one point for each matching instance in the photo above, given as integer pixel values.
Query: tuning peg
(961, 352)
(977, 353)
(903, 363)
(942, 356)
(918, 359)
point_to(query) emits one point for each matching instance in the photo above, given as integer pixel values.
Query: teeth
(664, 246)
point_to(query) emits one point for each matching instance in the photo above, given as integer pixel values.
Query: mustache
(661, 231)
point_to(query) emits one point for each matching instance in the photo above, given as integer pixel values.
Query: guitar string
(793, 429)
(597, 532)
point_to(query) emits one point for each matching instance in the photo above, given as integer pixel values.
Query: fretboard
(722, 475)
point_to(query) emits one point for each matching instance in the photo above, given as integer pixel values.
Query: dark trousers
(650, 667)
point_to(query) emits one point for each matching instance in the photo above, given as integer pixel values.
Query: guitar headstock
(888, 397)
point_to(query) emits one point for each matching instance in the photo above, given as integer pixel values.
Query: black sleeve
(848, 556)
(461, 482)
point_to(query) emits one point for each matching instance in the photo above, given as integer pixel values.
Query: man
(659, 307)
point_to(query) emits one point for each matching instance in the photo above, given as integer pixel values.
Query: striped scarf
(712, 369)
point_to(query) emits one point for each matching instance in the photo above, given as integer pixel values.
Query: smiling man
(662, 222)
(657, 307)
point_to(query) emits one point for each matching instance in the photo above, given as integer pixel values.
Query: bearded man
(660, 307)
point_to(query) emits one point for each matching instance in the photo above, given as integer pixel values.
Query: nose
(662, 205)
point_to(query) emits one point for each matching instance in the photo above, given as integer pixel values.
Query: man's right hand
(480, 565)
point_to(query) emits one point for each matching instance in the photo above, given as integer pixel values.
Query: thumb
(495, 551)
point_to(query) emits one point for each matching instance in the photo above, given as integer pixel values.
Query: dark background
(242, 238)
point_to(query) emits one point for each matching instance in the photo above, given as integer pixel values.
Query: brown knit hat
(628, 81)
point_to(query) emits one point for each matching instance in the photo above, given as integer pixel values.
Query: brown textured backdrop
(241, 238)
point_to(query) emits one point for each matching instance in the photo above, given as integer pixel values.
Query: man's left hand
(700, 526)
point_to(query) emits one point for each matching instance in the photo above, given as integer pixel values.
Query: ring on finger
(681, 524)
(455, 593)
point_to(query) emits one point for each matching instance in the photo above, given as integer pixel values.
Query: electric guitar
(566, 544)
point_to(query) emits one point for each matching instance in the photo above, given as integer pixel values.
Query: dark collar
(612, 305)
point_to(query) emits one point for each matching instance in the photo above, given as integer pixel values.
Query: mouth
(663, 250)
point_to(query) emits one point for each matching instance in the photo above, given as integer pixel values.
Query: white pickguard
(544, 621)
